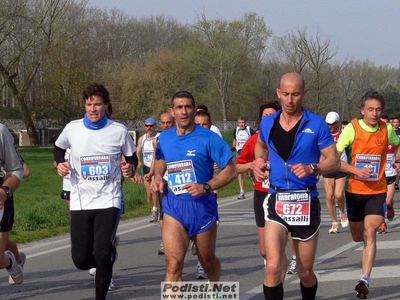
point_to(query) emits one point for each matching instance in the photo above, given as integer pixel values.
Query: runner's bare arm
(260, 156)
(360, 172)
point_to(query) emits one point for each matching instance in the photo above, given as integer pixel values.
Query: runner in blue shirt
(190, 210)
(299, 146)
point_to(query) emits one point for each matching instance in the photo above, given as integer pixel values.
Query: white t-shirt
(95, 163)
(241, 136)
(215, 129)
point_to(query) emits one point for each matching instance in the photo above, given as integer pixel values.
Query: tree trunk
(27, 118)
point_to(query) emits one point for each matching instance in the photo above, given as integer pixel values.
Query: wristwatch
(207, 188)
(8, 191)
(314, 167)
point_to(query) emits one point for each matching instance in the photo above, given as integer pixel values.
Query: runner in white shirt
(145, 147)
(240, 136)
(166, 122)
(97, 145)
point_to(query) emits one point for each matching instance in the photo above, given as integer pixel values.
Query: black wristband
(8, 191)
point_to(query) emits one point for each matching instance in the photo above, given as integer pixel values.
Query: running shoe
(334, 229)
(200, 272)
(92, 271)
(292, 267)
(21, 262)
(241, 195)
(16, 272)
(161, 250)
(396, 186)
(390, 213)
(344, 221)
(111, 287)
(382, 228)
(22, 259)
(154, 216)
(362, 289)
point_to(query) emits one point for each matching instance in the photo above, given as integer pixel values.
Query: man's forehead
(373, 103)
(182, 101)
(94, 98)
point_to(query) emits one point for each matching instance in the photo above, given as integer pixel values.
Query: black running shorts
(336, 175)
(258, 202)
(7, 222)
(145, 170)
(359, 206)
(390, 179)
(302, 233)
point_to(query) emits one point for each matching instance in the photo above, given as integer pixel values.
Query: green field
(40, 212)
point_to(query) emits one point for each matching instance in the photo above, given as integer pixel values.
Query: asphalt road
(50, 273)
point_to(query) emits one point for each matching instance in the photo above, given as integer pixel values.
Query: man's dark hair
(372, 94)
(384, 116)
(109, 111)
(96, 89)
(270, 104)
(182, 94)
(202, 107)
(203, 113)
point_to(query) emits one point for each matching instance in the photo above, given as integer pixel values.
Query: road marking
(259, 289)
(68, 241)
(384, 245)
(48, 251)
(343, 274)
(354, 274)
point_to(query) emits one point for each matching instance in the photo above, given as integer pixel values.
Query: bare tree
(309, 56)
(30, 30)
(221, 49)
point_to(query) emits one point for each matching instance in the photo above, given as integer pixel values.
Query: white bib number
(294, 207)
(369, 161)
(180, 173)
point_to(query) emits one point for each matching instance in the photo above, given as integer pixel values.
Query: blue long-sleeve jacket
(312, 136)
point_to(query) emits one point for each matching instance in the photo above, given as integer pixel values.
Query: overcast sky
(362, 29)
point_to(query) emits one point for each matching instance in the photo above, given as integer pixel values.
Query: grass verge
(40, 212)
